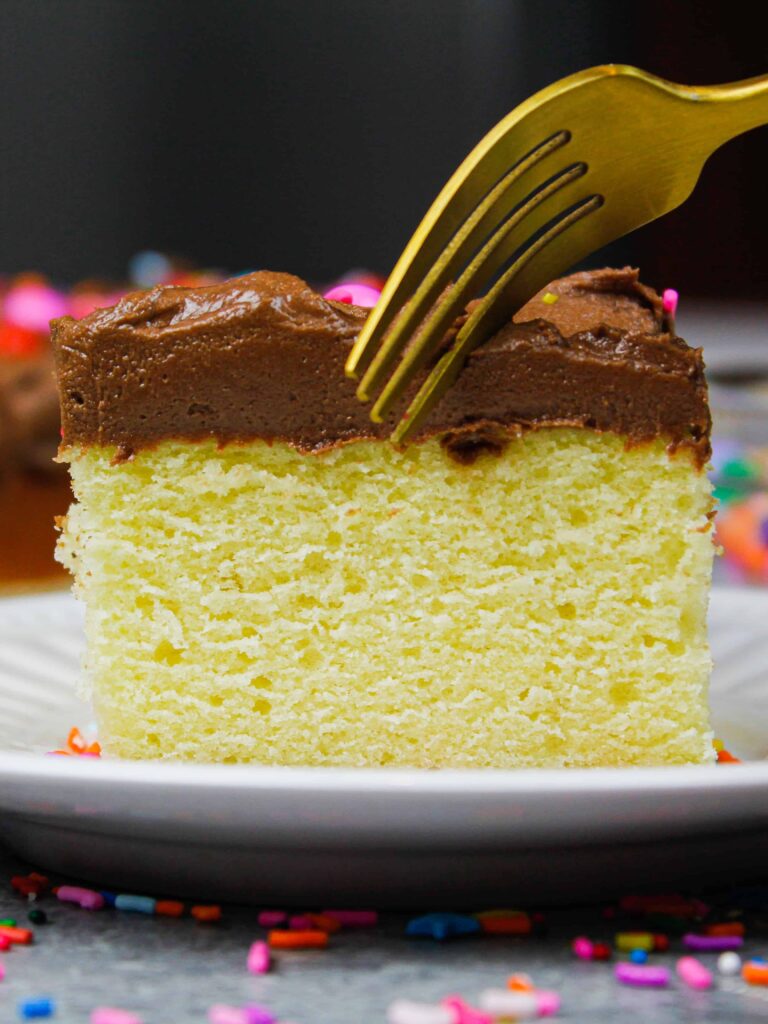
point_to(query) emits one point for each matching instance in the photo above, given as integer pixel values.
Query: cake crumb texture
(369, 606)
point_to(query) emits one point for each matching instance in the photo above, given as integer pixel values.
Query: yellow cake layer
(375, 607)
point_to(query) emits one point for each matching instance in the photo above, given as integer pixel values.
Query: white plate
(387, 837)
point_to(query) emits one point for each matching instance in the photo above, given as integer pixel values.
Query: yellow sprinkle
(550, 298)
(627, 941)
(718, 745)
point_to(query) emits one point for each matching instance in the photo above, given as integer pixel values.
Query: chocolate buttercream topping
(262, 356)
(29, 415)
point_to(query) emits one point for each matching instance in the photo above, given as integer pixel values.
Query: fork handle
(735, 108)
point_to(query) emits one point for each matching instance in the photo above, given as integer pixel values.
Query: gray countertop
(171, 971)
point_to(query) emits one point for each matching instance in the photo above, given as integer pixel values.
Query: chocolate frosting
(29, 415)
(262, 356)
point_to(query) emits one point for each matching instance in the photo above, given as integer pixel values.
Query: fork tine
(488, 261)
(524, 276)
(519, 132)
(493, 208)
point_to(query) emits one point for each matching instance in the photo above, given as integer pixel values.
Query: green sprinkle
(8, 922)
(739, 469)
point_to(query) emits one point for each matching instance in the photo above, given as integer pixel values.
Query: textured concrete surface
(171, 971)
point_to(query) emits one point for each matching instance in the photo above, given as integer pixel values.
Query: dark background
(311, 135)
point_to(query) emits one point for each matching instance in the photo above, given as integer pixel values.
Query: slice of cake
(268, 579)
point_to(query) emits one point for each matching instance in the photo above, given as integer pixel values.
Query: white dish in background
(381, 837)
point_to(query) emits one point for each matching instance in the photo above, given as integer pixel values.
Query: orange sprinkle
(206, 914)
(726, 928)
(725, 757)
(324, 923)
(518, 925)
(75, 741)
(22, 936)
(297, 940)
(172, 908)
(94, 749)
(520, 983)
(755, 974)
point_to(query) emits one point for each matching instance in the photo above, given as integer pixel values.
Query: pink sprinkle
(255, 1014)
(271, 918)
(642, 975)
(2, 972)
(582, 947)
(354, 295)
(669, 301)
(465, 1014)
(109, 1015)
(33, 305)
(258, 958)
(693, 972)
(354, 918)
(88, 899)
(710, 943)
(549, 1002)
(221, 1014)
(300, 923)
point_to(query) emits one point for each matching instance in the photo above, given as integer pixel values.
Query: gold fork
(579, 164)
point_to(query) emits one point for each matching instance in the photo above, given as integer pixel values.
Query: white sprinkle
(729, 963)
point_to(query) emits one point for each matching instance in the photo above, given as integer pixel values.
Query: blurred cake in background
(33, 488)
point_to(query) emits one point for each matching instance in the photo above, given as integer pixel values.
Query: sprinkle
(297, 940)
(27, 884)
(271, 918)
(354, 918)
(38, 916)
(2, 971)
(520, 924)
(108, 897)
(660, 943)
(499, 1002)
(17, 936)
(442, 926)
(169, 908)
(88, 899)
(520, 983)
(582, 947)
(110, 1015)
(403, 1011)
(550, 298)
(464, 1014)
(220, 1014)
(206, 914)
(258, 958)
(627, 941)
(8, 922)
(31, 1008)
(642, 975)
(712, 943)
(300, 923)
(669, 301)
(601, 951)
(726, 928)
(755, 973)
(135, 904)
(638, 956)
(324, 923)
(354, 294)
(5, 943)
(693, 973)
(729, 963)
(256, 1014)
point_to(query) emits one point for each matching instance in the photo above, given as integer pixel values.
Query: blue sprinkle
(757, 960)
(138, 904)
(28, 1009)
(108, 897)
(442, 926)
(638, 956)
